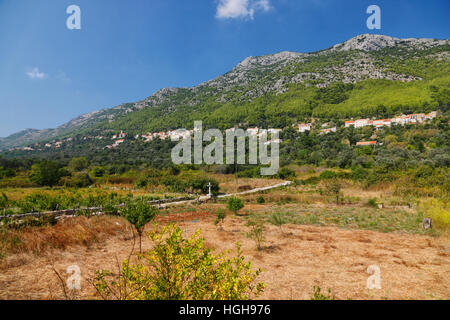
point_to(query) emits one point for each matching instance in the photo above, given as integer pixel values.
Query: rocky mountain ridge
(349, 62)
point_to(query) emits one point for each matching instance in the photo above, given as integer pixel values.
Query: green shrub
(141, 183)
(285, 173)
(46, 173)
(256, 232)
(98, 172)
(81, 180)
(4, 202)
(78, 164)
(180, 269)
(278, 220)
(318, 295)
(235, 204)
(110, 210)
(372, 203)
(312, 181)
(260, 199)
(220, 218)
(359, 173)
(327, 174)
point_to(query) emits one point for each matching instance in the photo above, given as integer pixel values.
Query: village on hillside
(174, 135)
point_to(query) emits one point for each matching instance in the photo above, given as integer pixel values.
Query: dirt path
(412, 267)
(206, 198)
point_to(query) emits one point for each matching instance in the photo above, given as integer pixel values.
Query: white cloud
(35, 74)
(232, 9)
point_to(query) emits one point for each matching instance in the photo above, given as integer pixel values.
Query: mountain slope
(361, 76)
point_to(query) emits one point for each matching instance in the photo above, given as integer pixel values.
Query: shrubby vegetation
(177, 268)
(235, 204)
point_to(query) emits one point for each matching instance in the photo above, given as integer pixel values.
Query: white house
(362, 123)
(303, 127)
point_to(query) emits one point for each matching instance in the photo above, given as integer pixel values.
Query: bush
(327, 174)
(98, 172)
(256, 232)
(260, 199)
(312, 181)
(80, 180)
(3, 202)
(141, 183)
(200, 183)
(78, 164)
(180, 269)
(318, 295)
(372, 203)
(220, 218)
(277, 220)
(285, 173)
(359, 173)
(235, 204)
(333, 187)
(110, 210)
(46, 173)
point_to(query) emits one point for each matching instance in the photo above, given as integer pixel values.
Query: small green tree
(334, 187)
(260, 199)
(78, 164)
(220, 218)
(235, 204)
(256, 232)
(46, 173)
(139, 213)
(277, 220)
(180, 269)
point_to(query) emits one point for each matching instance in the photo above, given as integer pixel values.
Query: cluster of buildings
(400, 120)
(359, 123)
(119, 138)
(182, 134)
(174, 134)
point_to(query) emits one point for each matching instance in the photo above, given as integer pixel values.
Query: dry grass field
(294, 260)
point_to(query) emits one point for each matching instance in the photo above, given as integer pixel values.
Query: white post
(209, 188)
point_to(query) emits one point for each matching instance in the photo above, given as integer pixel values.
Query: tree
(260, 199)
(46, 173)
(98, 172)
(333, 187)
(256, 232)
(3, 201)
(180, 269)
(220, 218)
(78, 164)
(235, 204)
(139, 213)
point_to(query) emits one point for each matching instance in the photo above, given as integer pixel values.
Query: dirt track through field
(412, 266)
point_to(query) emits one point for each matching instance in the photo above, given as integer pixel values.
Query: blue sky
(128, 49)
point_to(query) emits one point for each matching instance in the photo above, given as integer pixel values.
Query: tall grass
(438, 211)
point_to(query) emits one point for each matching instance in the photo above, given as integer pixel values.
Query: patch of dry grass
(79, 231)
